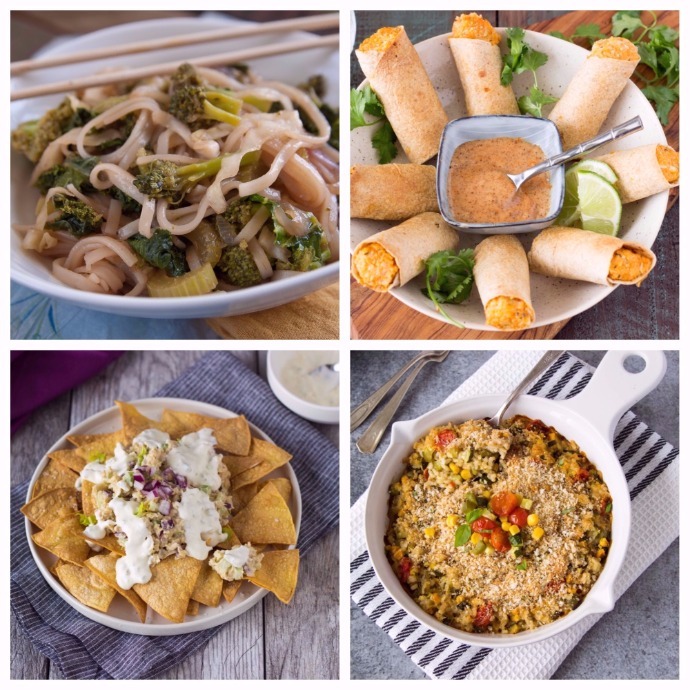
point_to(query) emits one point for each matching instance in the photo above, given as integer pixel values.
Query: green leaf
(515, 539)
(474, 515)
(626, 22)
(560, 35)
(383, 141)
(663, 98)
(662, 35)
(533, 59)
(648, 57)
(462, 535)
(357, 103)
(669, 61)
(533, 103)
(590, 31)
(522, 565)
(449, 275)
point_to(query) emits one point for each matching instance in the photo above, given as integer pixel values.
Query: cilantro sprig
(449, 279)
(522, 58)
(366, 101)
(656, 44)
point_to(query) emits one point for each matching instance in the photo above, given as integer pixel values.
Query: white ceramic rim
(655, 205)
(225, 612)
(216, 304)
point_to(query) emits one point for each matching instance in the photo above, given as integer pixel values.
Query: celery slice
(217, 113)
(199, 282)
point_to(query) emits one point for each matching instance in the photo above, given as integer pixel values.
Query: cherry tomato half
(500, 541)
(518, 517)
(504, 503)
(445, 437)
(483, 524)
(405, 567)
(485, 613)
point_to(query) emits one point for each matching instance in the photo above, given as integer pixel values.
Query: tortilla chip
(263, 458)
(64, 537)
(109, 542)
(86, 586)
(208, 587)
(230, 539)
(69, 458)
(192, 608)
(278, 573)
(171, 586)
(230, 589)
(283, 484)
(243, 495)
(232, 434)
(88, 502)
(266, 519)
(101, 447)
(50, 506)
(104, 566)
(54, 476)
(133, 422)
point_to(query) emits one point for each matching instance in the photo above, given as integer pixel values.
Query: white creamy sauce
(201, 522)
(196, 459)
(133, 568)
(153, 438)
(305, 375)
(98, 531)
(236, 562)
(93, 472)
(118, 463)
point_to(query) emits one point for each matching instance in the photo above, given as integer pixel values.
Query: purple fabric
(37, 377)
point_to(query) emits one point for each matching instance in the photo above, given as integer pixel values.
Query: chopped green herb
(515, 539)
(565, 511)
(97, 457)
(522, 565)
(86, 520)
(449, 278)
(609, 506)
(363, 101)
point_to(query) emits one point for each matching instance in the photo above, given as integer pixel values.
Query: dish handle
(613, 390)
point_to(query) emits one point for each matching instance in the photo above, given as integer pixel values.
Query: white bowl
(589, 419)
(34, 272)
(121, 615)
(276, 362)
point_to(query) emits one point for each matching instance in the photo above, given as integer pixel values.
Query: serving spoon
(618, 132)
(541, 366)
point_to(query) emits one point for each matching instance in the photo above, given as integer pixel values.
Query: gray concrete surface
(638, 639)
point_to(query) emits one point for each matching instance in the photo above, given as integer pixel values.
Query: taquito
(582, 109)
(583, 255)
(393, 191)
(395, 72)
(395, 256)
(501, 273)
(474, 44)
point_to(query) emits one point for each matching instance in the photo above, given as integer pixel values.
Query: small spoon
(541, 366)
(629, 127)
(332, 368)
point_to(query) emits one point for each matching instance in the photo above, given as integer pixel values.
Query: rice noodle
(253, 226)
(260, 258)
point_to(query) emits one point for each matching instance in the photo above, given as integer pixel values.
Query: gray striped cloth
(83, 649)
(651, 469)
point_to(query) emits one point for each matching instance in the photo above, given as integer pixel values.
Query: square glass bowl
(535, 130)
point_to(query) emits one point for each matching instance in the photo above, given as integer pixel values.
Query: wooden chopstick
(138, 73)
(320, 21)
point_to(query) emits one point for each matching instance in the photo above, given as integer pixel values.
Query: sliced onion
(296, 223)
(260, 258)
(164, 507)
(225, 230)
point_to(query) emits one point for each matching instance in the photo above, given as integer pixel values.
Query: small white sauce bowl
(276, 362)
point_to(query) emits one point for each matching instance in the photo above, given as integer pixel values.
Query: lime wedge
(600, 203)
(570, 211)
(598, 167)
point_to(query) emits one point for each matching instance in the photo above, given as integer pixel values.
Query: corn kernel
(537, 533)
(603, 542)
(430, 532)
(515, 616)
(476, 537)
(397, 554)
(452, 520)
(533, 520)
(454, 468)
(505, 525)
(514, 529)
(459, 599)
(514, 629)
(486, 494)
(436, 598)
(466, 475)
(601, 553)
(489, 549)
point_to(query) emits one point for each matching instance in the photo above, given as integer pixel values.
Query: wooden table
(650, 312)
(271, 640)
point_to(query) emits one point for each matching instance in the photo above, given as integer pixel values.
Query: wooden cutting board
(377, 316)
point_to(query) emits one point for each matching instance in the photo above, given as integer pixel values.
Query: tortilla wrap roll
(393, 191)
(474, 44)
(582, 109)
(644, 171)
(395, 72)
(501, 274)
(583, 255)
(395, 256)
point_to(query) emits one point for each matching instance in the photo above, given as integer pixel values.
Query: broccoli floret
(160, 251)
(130, 207)
(240, 211)
(163, 179)
(75, 216)
(307, 252)
(197, 105)
(238, 267)
(32, 138)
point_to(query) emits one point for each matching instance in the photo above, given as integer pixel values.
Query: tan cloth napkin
(314, 317)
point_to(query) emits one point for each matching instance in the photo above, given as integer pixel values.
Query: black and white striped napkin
(651, 468)
(84, 649)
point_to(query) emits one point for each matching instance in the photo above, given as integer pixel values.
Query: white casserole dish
(589, 419)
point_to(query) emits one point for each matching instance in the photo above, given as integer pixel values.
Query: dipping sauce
(480, 192)
(308, 377)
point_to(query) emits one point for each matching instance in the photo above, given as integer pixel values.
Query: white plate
(121, 615)
(29, 269)
(553, 299)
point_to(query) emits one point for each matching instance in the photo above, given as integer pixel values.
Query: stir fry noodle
(205, 180)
